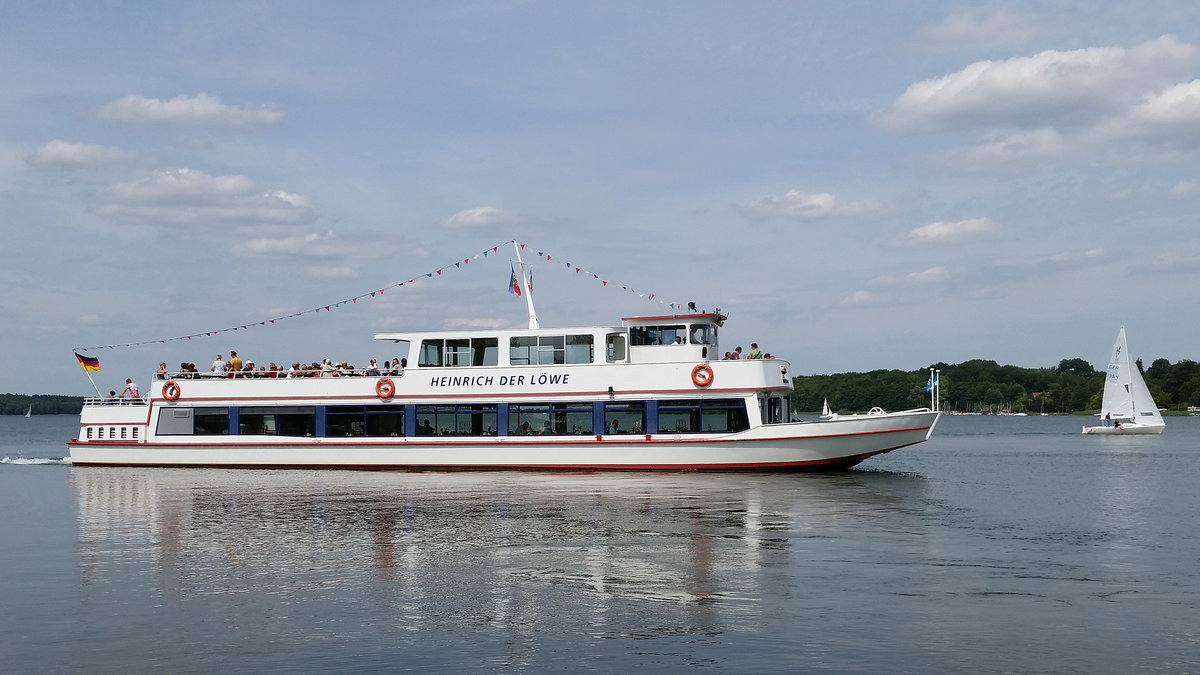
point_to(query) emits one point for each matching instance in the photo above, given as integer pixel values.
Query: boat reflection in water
(603, 554)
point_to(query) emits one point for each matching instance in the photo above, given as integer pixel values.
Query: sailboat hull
(1126, 430)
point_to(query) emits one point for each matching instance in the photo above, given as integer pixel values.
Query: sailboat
(29, 412)
(1128, 407)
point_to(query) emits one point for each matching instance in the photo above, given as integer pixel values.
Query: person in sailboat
(1108, 419)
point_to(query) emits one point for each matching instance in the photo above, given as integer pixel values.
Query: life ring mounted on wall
(171, 390)
(385, 388)
(702, 375)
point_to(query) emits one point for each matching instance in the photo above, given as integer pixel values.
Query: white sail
(1127, 400)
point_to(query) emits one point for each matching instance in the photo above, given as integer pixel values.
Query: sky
(859, 185)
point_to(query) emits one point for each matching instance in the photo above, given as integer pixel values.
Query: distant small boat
(29, 412)
(1127, 407)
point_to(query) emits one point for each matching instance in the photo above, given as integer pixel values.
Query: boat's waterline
(803, 445)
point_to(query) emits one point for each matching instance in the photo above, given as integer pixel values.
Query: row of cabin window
(527, 350)
(555, 349)
(556, 419)
(98, 432)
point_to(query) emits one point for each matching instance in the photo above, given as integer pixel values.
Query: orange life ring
(171, 390)
(702, 375)
(385, 388)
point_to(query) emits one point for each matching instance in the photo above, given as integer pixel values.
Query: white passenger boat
(651, 393)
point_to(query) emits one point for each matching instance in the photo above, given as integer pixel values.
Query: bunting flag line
(90, 363)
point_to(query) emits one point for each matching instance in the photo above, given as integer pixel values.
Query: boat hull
(827, 444)
(1126, 430)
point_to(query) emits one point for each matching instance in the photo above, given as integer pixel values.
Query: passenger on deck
(162, 371)
(737, 353)
(218, 367)
(131, 389)
(400, 368)
(235, 364)
(754, 353)
(372, 369)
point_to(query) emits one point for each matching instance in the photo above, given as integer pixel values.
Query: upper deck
(650, 339)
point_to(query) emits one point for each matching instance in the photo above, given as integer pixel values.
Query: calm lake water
(1003, 545)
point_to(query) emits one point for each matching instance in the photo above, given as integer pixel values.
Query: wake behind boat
(1127, 408)
(650, 393)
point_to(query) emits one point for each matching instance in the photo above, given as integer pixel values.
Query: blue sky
(860, 185)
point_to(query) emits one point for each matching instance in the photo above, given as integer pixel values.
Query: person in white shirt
(131, 389)
(218, 366)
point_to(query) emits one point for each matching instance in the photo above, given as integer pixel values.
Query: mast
(528, 291)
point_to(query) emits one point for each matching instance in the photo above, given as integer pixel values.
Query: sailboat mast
(526, 288)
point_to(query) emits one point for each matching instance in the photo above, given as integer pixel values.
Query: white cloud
(1172, 115)
(1003, 148)
(955, 232)
(73, 155)
(803, 206)
(199, 110)
(971, 29)
(187, 197)
(1176, 262)
(924, 277)
(332, 272)
(1068, 87)
(483, 216)
(859, 297)
(309, 244)
(1184, 188)
(458, 323)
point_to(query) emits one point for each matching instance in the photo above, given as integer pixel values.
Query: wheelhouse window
(773, 409)
(456, 420)
(656, 335)
(358, 420)
(277, 421)
(629, 416)
(702, 416)
(550, 419)
(703, 334)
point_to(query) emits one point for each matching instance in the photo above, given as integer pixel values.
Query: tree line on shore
(972, 386)
(985, 386)
(40, 404)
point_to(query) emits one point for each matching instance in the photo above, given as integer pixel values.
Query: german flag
(87, 362)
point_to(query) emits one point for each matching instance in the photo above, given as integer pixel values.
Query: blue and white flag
(513, 286)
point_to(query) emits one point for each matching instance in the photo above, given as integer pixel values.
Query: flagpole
(931, 388)
(937, 390)
(524, 282)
